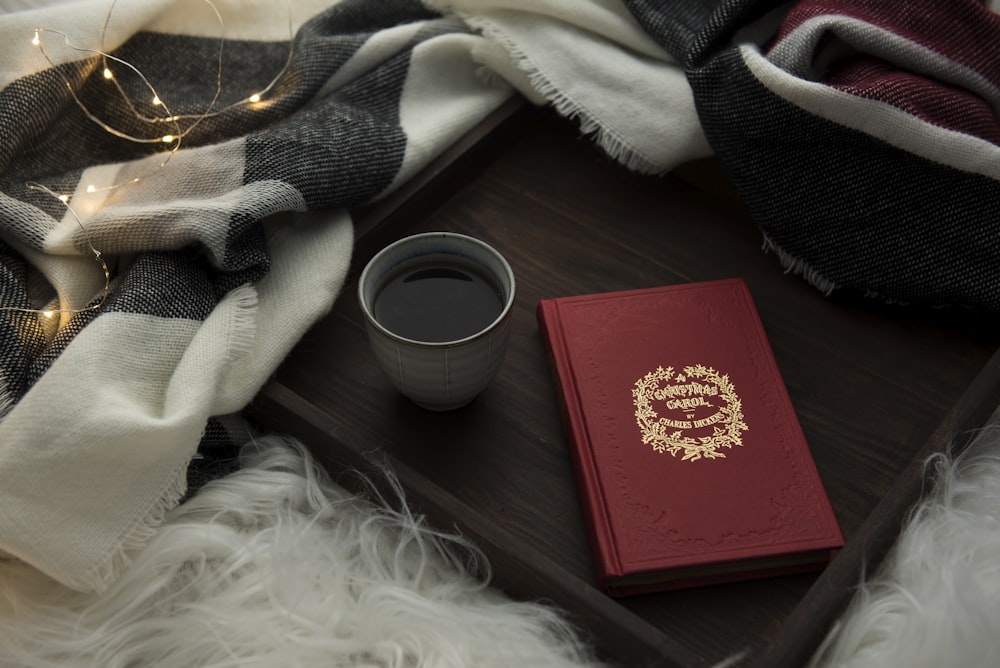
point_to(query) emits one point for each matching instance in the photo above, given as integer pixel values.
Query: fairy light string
(164, 116)
(98, 257)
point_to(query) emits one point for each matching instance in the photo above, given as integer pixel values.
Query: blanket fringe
(617, 148)
(798, 267)
(101, 577)
(6, 400)
(277, 565)
(244, 322)
(242, 332)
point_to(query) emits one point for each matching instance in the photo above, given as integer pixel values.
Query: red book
(690, 463)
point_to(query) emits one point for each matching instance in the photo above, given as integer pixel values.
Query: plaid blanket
(105, 399)
(204, 225)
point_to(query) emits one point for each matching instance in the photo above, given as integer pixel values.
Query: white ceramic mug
(437, 373)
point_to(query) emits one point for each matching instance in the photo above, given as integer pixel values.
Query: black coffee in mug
(437, 298)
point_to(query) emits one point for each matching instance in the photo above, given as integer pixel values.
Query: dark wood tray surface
(876, 391)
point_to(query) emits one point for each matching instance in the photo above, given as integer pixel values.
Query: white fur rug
(277, 566)
(935, 602)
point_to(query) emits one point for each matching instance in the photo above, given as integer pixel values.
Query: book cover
(690, 462)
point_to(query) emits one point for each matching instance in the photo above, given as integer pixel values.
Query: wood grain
(875, 390)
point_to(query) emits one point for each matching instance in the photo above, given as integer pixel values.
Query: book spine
(592, 503)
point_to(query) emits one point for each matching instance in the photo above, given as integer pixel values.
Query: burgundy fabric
(895, 210)
(966, 33)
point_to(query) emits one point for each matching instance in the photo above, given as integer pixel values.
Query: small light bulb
(254, 98)
(166, 139)
(35, 40)
(107, 73)
(63, 198)
(48, 314)
(156, 101)
(91, 189)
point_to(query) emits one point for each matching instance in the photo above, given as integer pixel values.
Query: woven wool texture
(857, 133)
(220, 259)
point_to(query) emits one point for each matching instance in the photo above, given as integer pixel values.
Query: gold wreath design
(656, 432)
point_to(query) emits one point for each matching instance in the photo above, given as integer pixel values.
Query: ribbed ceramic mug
(437, 309)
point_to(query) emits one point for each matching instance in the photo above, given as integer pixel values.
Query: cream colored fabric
(589, 59)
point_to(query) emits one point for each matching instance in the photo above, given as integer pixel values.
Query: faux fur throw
(935, 600)
(276, 566)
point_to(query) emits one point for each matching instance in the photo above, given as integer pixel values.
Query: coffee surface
(436, 301)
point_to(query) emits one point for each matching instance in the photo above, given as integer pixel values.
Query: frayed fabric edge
(6, 400)
(798, 267)
(244, 322)
(243, 329)
(616, 148)
(101, 576)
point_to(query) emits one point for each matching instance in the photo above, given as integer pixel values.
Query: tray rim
(621, 631)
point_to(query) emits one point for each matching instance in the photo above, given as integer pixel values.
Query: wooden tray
(876, 391)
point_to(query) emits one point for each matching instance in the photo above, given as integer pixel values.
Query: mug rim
(488, 329)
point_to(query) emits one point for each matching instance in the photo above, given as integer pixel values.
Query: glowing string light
(107, 75)
(210, 110)
(98, 257)
(178, 133)
(174, 139)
